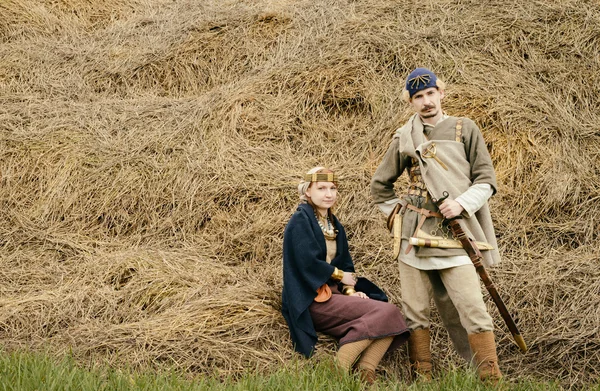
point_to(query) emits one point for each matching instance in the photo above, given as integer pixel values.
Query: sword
(473, 251)
(423, 239)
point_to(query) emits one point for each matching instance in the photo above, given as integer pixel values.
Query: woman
(320, 290)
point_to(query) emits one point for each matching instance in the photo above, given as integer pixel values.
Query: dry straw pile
(150, 149)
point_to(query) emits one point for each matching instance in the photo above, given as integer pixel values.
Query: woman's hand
(348, 279)
(360, 294)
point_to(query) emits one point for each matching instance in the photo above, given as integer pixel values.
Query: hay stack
(150, 150)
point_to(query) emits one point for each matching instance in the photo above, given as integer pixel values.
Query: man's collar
(443, 117)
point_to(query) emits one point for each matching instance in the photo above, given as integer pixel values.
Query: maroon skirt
(350, 319)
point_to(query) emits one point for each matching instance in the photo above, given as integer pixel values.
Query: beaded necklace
(328, 232)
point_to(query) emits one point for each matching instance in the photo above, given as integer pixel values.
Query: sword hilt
(438, 202)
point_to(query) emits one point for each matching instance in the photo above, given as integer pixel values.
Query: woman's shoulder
(299, 227)
(300, 216)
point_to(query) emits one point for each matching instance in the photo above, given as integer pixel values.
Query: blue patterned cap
(420, 79)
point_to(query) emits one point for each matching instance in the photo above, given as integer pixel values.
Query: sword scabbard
(475, 255)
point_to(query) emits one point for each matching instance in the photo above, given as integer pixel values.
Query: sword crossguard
(439, 201)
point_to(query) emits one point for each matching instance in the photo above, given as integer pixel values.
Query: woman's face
(322, 195)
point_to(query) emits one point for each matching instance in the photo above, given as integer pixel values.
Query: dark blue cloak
(305, 269)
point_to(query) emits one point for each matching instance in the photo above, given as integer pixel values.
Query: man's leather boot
(419, 354)
(484, 356)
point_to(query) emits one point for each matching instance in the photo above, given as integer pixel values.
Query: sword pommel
(438, 201)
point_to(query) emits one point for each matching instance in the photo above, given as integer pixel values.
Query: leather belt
(425, 213)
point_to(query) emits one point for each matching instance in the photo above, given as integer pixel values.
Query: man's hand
(451, 208)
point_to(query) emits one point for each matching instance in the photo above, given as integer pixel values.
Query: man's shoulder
(404, 129)
(466, 121)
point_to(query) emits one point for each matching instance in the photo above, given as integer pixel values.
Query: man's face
(428, 103)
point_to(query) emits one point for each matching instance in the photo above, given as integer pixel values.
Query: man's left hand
(451, 208)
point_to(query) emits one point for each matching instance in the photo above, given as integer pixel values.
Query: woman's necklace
(328, 232)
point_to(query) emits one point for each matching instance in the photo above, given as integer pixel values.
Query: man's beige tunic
(456, 288)
(468, 163)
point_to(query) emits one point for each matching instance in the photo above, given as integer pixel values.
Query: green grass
(28, 372)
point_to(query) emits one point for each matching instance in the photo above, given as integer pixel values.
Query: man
(441, 154)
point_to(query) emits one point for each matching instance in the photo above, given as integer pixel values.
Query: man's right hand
(450, 208)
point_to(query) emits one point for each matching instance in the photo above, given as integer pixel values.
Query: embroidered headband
(320, 177)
